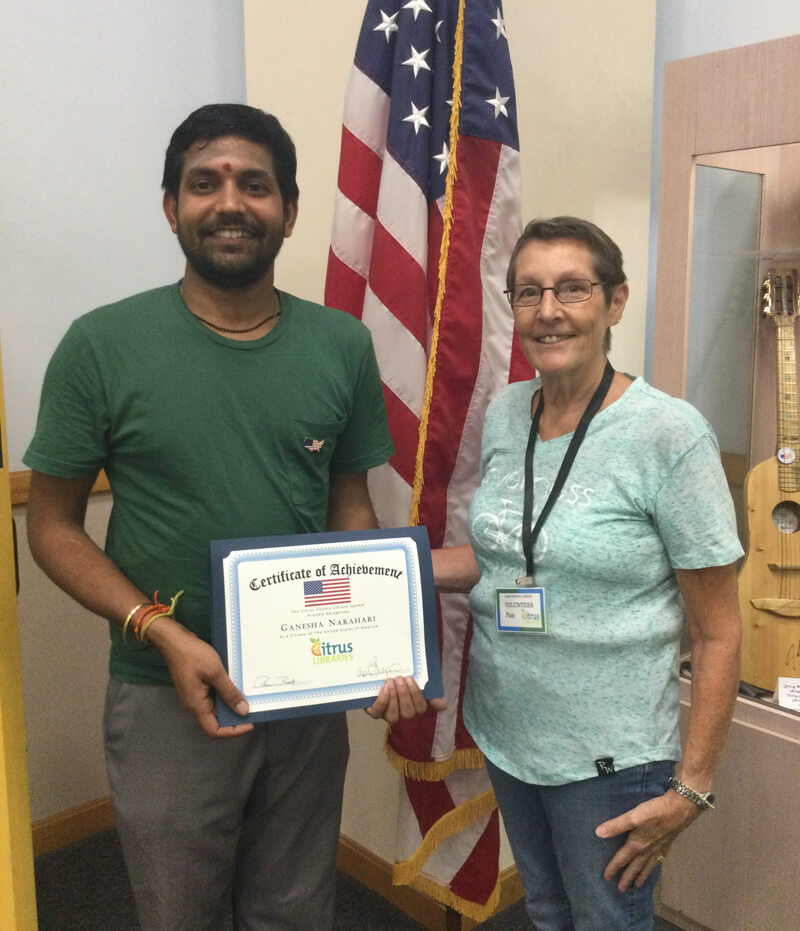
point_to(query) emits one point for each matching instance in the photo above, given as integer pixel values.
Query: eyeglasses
(572, 291)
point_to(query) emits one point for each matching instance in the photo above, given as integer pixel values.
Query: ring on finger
(660, 857)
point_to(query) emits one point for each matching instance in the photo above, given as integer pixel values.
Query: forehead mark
(227, 166)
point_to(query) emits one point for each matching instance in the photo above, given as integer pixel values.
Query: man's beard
(231, 271)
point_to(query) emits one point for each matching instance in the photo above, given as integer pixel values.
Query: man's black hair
(233, 119)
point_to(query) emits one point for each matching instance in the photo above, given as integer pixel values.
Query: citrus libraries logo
(335, 591)
(325, 652)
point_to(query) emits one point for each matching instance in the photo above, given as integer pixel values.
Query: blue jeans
(559, 858)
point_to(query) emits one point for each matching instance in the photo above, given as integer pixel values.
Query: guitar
(769, 581)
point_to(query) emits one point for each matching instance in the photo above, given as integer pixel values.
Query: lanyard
(530, 536)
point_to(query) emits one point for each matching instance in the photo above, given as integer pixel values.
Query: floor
(84, 887)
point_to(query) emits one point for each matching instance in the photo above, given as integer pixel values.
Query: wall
(92, 92)
(685, 28)
(584, 120)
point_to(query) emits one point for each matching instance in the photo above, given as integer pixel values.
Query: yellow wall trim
(17, 890)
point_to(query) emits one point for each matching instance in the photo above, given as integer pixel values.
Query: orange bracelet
(154, 612)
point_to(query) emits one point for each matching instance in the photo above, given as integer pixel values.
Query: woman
(574, 702)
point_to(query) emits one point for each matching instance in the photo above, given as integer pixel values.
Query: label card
(789, 693)
(520, 610)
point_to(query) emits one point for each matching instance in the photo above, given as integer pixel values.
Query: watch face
(710, 798)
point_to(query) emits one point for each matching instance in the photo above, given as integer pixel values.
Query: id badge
(520, 610)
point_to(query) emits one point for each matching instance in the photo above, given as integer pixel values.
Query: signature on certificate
(267, 682)
(374, 669)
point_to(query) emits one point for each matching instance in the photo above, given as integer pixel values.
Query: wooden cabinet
(736, 868)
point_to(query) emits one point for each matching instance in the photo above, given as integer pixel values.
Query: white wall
(685, 28)
(91, 93)
(64, 652)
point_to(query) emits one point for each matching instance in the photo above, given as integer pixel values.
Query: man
(219, 407)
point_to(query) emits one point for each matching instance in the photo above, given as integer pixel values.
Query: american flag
(313, 446)
(333, 591)
(402, 210)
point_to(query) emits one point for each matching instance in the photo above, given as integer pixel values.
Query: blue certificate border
(347, 543)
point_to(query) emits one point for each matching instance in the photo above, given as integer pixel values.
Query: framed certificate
(312, 623)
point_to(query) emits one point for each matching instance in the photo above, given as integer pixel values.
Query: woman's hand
(652, 827)
(402, 698)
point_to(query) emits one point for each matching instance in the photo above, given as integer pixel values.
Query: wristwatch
(704, 800)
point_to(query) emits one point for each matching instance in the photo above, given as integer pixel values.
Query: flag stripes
(384, 267)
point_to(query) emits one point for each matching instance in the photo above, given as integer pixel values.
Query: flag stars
(499, 103)
(417, 61)
(443, 159)
(417, 6)
(500, 25)
(388, 25)
(417, 117)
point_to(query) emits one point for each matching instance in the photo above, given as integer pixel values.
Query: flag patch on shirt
(335, 591)
(313, 446)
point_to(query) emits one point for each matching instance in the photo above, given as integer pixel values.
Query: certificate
(313, 623)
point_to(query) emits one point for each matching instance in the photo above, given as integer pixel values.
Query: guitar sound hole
(786, 516)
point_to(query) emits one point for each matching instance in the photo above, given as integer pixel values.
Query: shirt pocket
(313, 444)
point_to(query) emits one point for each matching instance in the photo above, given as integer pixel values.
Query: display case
(729, 211)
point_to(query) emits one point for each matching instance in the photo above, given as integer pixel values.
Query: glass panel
(723, 308)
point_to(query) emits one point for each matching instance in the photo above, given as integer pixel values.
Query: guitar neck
(786, 378)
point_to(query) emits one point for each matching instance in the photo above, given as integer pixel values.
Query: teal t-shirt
(646, 495)
(204, 437)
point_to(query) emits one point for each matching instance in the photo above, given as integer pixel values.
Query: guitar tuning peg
(766, 295)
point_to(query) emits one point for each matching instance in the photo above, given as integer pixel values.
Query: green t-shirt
(646, 495)
(204, 437)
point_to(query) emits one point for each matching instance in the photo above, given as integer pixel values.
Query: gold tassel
(455, 820)
(443, 253)
(442, 894)
(434, 770)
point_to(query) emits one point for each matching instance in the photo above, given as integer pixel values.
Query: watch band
(704, 800)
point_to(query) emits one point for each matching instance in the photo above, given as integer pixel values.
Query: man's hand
(653, 826)
(401, 697)
(196, 669)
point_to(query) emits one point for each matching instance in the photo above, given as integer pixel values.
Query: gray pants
(246, 826)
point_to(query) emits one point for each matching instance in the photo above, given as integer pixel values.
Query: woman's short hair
(606, 254)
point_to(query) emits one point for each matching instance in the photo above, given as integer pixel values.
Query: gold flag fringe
(473, 910)
(407, 872)
(433, 770)
(447, 217)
